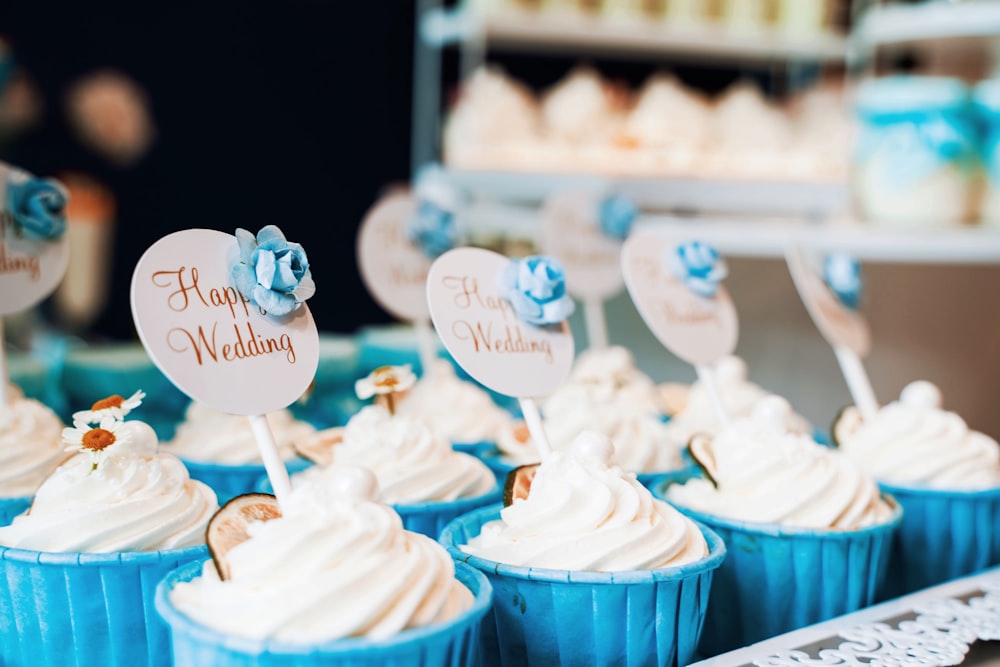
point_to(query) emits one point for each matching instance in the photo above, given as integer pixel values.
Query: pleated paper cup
(450, 644)
(944, 535)
(561, 617)
(780, 578)
(428, 518)
(80, 609)
(11, 507)
(229, 481)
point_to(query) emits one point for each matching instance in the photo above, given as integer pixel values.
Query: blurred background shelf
(540, 31)
(895, 24)
(767, 238)
(810, 199)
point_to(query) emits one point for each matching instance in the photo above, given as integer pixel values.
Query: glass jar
(915, 159)
(987, 105)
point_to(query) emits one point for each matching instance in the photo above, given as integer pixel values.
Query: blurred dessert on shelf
(585, 124)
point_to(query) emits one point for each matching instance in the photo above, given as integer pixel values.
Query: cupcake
(807, 531)
(31, 447)
(588, 568)
(582, 117)
(748, 134)
(606, 393)
(944, 475)
(691, 410)
(494, 124)
(333, 579)
(419, 474)
(457, 410)
(668, 125)
(220, 449)
(82, 564)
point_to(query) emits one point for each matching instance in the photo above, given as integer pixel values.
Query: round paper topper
(697, 329)
(218, 348)
(393, 268)
(570, 233)
(29, 270)
(485, 336)
(838, 324)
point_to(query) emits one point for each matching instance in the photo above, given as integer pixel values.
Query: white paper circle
(29, 270)
(699, 330)
(217, 348)
(482, 333)
(393, 269)
(570, 233)
(838, 324)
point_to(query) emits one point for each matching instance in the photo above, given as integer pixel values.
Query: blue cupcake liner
(11, 507)
(229, 481)
(944, 535)
(427, 518)
(453, 643)
(559, 617)
(80, 609)
(780, 578)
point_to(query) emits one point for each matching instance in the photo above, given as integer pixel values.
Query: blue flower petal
(264, 267)
(247, 244)
(305, 289)
(273, 302)
(284, 279)
(244, 279)
(271, 237)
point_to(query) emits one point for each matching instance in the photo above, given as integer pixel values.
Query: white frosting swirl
(766, 474)
(914, 441)
(411, 463)
(580, 110)
(207, 435)
(454, 409)
(333, 565)
(739, 397)
(134, 500)
(668, 116)
(30, 446)
(582, 514)
(608, 394)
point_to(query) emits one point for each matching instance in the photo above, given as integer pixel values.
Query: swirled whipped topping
(764, 473)
(457, 410)
(208, 435)
(605, 393)
(583, 514)
(914, 441)
(411, 463)
(130, 498)
(336, 564)
(30, 446)
(738, 395)
(600, 377)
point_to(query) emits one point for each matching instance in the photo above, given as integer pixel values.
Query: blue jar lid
(907, 94)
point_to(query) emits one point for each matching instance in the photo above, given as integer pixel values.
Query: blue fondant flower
(698, 266)
(842, 274)
(535, 286)
(38, 206)
(433, 229)
(615, 215)
(272, 272)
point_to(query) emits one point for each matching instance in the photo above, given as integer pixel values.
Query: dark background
(294, 113)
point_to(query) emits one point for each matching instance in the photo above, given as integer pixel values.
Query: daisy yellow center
(97, 439)
(113, 401)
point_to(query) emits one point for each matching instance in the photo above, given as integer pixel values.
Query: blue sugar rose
(698, 266)
(272, 272)
(842, 274)
(432, 229)
(535, 286)
(37, 206)
(615, 215)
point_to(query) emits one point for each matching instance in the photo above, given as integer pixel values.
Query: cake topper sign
(33, 250)
(215, 344)
(485, 335)
(696, 326)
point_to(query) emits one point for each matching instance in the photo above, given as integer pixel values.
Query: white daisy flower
(113, 406)
(384, 382)
(83, 438)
